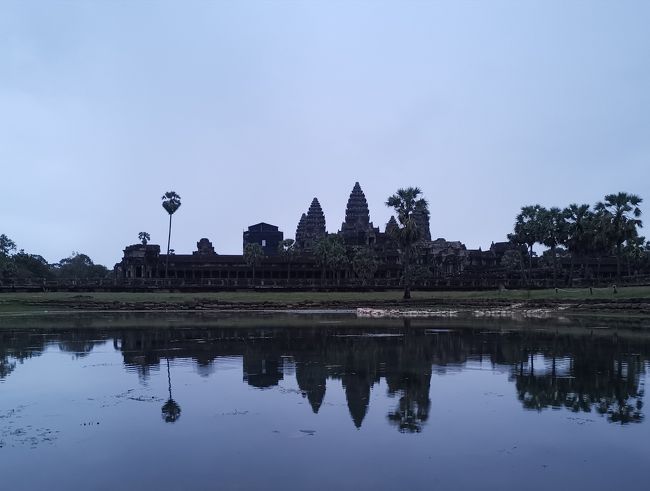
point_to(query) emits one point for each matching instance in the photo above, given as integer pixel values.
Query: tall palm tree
(634, 252)
(408, 204)
(337, 258)
(330, 254)
(287, 250)
(253, 255)
(554, 231)
(623, 213)
(579, 218)
(528, 230)
(170, 202)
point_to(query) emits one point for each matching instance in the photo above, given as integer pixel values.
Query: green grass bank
(633, 299)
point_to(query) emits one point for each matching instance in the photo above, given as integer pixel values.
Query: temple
(438, 263)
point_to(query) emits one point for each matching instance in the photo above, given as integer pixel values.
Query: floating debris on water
(517, 310)
(364, 312)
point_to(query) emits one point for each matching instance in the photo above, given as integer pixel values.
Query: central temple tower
(357, 229)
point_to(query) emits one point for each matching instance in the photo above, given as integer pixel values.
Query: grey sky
(250, 109)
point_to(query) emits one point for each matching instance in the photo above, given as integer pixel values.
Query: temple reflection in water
(597, 373)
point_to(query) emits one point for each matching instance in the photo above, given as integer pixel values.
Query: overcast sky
(250, 109)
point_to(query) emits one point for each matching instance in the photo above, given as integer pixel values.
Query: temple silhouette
(441, 263)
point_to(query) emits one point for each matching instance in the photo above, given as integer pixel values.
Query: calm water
(319, 402)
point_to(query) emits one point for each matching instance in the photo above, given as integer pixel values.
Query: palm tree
(337, 258)
(554, 231)
(144, 237)
(528, 230)
(407, 204)
(634, 252)
(578, 237)
(321, 251)
(622, 212)
(287, 250)
(253, 254)
(330, 253)
(170, 202)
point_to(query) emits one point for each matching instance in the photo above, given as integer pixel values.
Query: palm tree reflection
(171, 411)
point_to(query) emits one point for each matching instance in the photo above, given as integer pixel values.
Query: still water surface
(320, 402)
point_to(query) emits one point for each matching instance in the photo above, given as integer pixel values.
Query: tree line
(579, 231)
(16, 263)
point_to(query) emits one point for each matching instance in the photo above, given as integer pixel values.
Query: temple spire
(391, 226)
(316, 218)
(356, 212)
(357, 229)
(300, 230)
(311, 227)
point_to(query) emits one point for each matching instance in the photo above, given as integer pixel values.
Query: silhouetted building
(266, 235)
(204, 248)
(438, 263)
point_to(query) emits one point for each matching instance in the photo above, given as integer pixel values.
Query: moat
(320, 401)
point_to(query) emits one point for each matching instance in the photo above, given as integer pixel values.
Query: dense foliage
(22, 265)
(611, 227)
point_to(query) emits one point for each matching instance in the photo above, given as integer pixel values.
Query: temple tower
(422, 222)
(300, 230)
(391, 226)
(357, 230)
(311, 227)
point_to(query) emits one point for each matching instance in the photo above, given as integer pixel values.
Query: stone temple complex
(440, 263)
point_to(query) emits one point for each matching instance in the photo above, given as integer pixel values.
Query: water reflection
(171, 411)
(600, 373)
(597, 377)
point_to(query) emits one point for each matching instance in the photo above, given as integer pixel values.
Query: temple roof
(263, 227)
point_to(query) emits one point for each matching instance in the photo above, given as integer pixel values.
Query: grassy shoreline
(626, 301)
